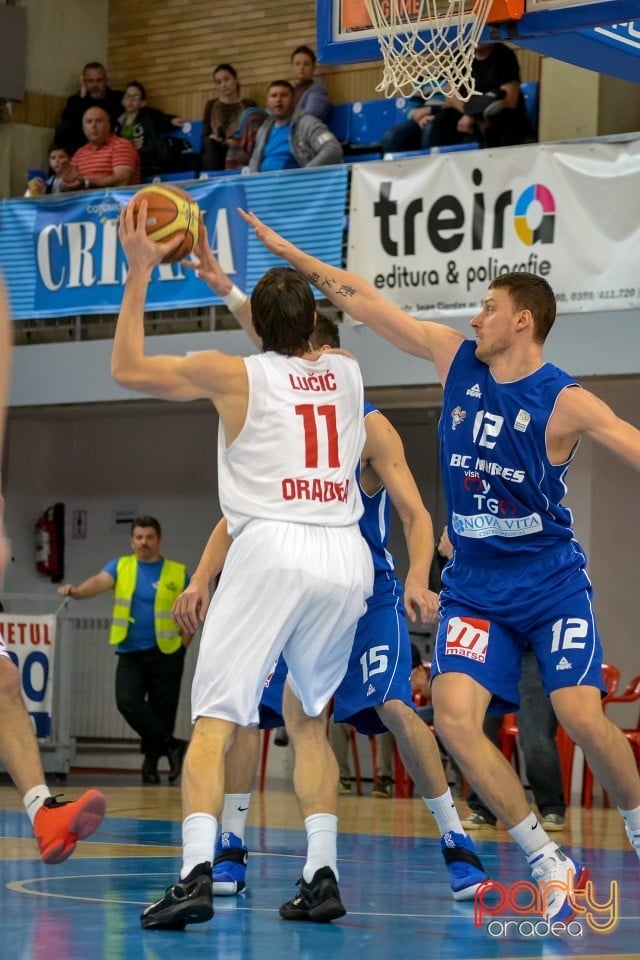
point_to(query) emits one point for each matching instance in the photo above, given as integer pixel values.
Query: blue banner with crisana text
(61, 256)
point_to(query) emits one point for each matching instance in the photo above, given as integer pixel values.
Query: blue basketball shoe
(229, 866)
(557, 876)
(464, 865)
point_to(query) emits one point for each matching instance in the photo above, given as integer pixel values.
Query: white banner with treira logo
(432, 232)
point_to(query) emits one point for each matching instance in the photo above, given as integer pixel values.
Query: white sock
(632, 826)
(234, 813)
(322, 844)
(198, 839)
(529, 835)
(34, 799)
(444, 810)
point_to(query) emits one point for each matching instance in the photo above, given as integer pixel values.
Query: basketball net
(432, 47)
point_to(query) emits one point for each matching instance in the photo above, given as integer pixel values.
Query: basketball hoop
(428, 43)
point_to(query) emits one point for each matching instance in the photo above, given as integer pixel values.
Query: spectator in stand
(106, 160)
(308, 92)
(144, 127)
(93, 91)
(496, 115)
(222, 116)
(415, 132)
(287, 140)
(59, 163)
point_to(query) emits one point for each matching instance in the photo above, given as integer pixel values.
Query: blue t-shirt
(141, 634)
(277, 152)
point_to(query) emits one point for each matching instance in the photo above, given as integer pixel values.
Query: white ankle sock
(234, 813)
(444, 810)
(529, 834)
(322, 844)
(34, 799)
(198, 840)
(632, 826)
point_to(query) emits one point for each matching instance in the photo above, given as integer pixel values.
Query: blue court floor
(394, 887)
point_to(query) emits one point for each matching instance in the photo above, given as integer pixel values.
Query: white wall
(160, 458)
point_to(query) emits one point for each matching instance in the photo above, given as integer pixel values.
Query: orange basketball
(170, 210)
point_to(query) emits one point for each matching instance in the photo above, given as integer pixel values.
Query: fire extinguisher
(49, 543)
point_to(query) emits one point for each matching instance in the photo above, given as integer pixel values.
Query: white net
(428, 43)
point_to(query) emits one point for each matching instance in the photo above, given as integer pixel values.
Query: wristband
(234, 299)
(86, 184)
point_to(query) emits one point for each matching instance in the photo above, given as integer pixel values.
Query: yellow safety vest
(173, 578)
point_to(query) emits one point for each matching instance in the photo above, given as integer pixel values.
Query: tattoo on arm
(329, 282)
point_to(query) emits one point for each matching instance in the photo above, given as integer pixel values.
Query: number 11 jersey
(295, 457)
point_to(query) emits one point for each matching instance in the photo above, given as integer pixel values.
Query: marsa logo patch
(468, 637)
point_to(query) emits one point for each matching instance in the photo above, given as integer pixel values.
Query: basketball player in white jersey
(298, 572)
(382, 639)
(57, 825)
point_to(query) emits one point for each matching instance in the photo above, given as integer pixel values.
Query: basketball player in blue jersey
(375, 694)
(509, 429)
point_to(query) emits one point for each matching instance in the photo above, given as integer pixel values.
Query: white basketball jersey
(295, 458)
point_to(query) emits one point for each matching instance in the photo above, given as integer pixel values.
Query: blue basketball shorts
(270, 708)
(380, 663)
(489, 618)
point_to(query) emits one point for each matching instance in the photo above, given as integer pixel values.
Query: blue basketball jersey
(374, 523)
(504, 497)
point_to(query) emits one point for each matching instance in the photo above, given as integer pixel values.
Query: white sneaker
(557, 875)
(634, 838)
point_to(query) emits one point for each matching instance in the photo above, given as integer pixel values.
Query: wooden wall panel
(172, 47)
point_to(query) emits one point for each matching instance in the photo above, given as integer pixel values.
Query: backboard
(571, 30)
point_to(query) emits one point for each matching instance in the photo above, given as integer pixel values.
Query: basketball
(170, 210)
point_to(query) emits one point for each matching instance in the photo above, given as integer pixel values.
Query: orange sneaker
(60, 824)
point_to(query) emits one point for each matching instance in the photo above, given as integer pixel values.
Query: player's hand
(206, 266)
(66, 590)
(191, 606)
(420, 602)
(272, 240)
(141, 252)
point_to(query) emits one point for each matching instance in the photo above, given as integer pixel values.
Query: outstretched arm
(99, 583)
(191, 606)
(201, 375)
(384, 453)
(579, 411)
(208, 269)
(363, 302)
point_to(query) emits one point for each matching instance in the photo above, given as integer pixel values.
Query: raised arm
(363, 302)
(580, 412)
(384, 454)
(191, 606)
(208, 269)
(210, 374)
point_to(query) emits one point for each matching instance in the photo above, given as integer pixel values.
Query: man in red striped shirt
(106, 160)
